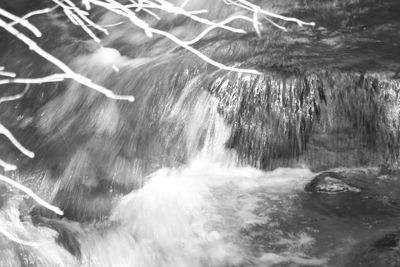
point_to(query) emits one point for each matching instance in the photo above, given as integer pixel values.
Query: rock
(330, 182)
(363, 193)
(373, 181)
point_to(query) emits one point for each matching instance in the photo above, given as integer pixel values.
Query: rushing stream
(212, 211)
(208, 168)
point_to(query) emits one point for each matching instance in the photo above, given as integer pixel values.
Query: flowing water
(212, 211)
(209, 168)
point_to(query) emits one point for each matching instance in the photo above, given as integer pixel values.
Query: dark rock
(330, 182)
(373, 181)
(360, 193)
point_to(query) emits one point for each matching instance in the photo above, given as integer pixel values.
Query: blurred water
(195, 130)
(193, 215)
(210, 210)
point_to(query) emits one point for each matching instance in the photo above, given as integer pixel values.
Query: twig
(202, 56)
(34, 13)
(7, 74)
(17, 240)
(71, 74)
(30, 193)
(21, 21)
(258, 10)
(48, 79)
(7, 166)
(228, 20)
(170, 8)
(124, 11)
(14, 141)
(79, 17)
(275, 24)
(14, 97)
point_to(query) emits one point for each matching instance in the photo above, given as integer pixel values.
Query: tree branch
(69, 72)
(30, 193)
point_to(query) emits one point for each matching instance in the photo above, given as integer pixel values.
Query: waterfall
(191, 211)
(208, 168)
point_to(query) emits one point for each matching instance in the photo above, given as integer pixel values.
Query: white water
(194, 215)
(190, 216)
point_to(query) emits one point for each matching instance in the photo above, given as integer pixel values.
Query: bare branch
(7, 166)
(87, 4)
(34, 13)
(120, 9)
(16, 239)
(258, 10)
(7, 74)
(217, 25)
(14, 97)
(21, 21)
(170, 8)
(71, 74)
(79, 17)
(275, 24)
(47, 79)
(202, 56)
(32, 195)
(124, 11)
(14, 141)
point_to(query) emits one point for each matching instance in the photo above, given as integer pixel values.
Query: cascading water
(213, 210)
(193, 215)
(208, 167)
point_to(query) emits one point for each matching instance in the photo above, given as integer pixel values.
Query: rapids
(212, 211)
(200, 214)
(209, 168)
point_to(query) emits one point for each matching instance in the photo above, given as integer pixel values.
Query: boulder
(356, 192)
(330, 182)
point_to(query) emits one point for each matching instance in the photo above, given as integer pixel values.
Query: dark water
(207, 167)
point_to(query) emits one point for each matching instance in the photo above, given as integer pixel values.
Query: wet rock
(362, 193)
(330, 182)
(373, 181)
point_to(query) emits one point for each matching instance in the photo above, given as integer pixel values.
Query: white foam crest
(190, 216)
(194, 215)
